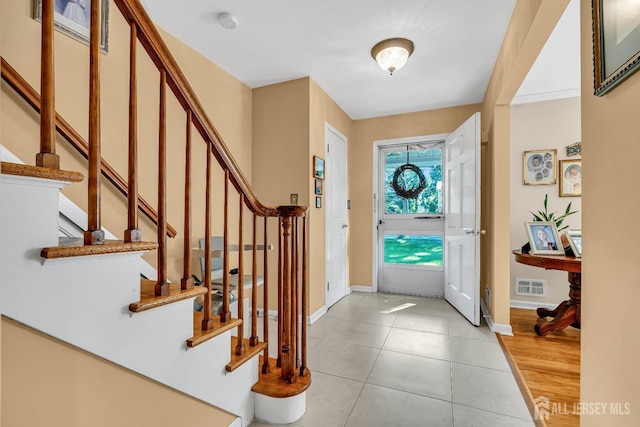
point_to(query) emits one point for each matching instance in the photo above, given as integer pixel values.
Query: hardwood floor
(547, 368)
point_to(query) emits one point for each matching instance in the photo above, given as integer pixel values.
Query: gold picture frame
(539, 167)
(570, 183)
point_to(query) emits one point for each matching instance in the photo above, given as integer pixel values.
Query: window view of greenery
(413, 250)
(429, 201)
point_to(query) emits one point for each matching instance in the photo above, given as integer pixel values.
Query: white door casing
(335, 205)
(462, 219)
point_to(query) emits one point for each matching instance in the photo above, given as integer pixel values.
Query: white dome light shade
(392, 54)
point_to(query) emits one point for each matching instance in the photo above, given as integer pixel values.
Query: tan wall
(226, 100)
(610, 203)
(541, 126)
(281, 151)
(323, 110)
(531, 24)
(73, 388)
(365, 133)
(288, 130)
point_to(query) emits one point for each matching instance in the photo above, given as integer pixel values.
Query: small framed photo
(318, 167)
(570, 178)
(72, 18)
(543, 238)
(574, 238)
(318, 186)
(318, 202)
(539, 167)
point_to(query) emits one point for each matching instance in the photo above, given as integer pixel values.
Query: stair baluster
(133, 233)
(47, 156)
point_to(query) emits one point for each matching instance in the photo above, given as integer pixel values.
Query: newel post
(289, 255)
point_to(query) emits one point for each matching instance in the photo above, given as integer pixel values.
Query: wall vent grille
(531, 287)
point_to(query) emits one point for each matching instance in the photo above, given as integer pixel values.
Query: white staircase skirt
(84, 301)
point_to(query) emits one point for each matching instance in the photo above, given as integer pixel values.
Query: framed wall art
(72, 17)
(570, 178)
(318, 186)
(318, 167)
(616, 42)
(539, 167)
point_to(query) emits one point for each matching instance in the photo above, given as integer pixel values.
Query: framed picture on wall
(539, 167)
(616, 42)
(318, 202)
(72, 18)
(543, 238)
(318, 167)
(318, 186)
(570, 178)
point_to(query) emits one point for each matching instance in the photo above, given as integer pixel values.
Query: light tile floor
(420, 366)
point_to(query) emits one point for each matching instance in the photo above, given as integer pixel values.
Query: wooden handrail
(31, 96)
(160, 55)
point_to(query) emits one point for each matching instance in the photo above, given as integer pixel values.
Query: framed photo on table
(72, 18)
(543, 238)
(539, 167)
(574, 238)
(616, 42)
(570, 178)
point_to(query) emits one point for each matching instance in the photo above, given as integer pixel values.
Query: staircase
(88, 292)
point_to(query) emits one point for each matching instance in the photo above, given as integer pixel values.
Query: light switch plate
(294, 199)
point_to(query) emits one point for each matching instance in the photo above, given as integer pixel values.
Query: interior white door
(335, 195)
(462, 219)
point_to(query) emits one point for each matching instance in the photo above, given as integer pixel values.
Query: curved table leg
(565, 314)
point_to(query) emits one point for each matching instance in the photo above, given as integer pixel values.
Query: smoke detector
(228, 20)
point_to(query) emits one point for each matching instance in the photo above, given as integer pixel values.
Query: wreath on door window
(399, 187)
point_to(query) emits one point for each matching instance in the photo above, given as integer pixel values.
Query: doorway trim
(374, 184)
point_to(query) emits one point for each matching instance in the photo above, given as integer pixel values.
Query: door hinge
(328, 149)
(327, 285)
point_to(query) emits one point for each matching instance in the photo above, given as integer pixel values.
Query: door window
(413, 180)
(412, 249)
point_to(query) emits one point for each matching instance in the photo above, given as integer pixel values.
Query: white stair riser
(84, 301)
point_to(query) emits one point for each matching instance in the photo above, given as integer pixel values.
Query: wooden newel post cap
(291, 211)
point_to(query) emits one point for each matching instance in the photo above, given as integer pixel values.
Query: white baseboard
(499, 328)
(359, 288)
(273, 314)
(315, 316)
(532, 305)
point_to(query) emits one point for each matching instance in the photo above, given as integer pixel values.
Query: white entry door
(462, 219)
(335, 198)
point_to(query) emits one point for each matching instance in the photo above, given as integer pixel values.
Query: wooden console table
(568, 312)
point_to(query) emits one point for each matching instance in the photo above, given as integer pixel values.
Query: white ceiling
(456, 44)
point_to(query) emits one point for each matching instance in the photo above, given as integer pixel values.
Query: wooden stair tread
(251, 351)
(148, 298)
(76, 247)
(40, 172)
(272, 385)
(200, 336)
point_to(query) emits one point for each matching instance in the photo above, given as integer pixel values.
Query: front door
(462, 219)
(410, 223)
(335, 195)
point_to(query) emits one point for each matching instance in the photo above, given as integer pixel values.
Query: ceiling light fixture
(227, 20)
(392, 54)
